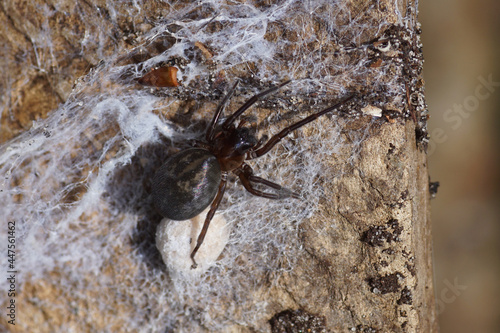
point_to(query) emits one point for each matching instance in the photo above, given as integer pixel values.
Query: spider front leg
(246, 177)
(230, 120)
(208, 218)
(209, 135)
(277, 137)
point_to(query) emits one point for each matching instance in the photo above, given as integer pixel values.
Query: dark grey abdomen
(186, 184)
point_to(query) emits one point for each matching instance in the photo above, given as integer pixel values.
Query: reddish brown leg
(246, 176)
(209, 136)
(208, 218)
(284, 192)
(277, 137)
(230, 120)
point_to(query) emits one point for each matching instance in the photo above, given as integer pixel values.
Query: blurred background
(461, 48)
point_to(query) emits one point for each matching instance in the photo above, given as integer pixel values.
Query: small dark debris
(385, 284)
(297, 321)
(404, 195)
(376, 235)
(393, 223)
(388, 251)
(422, 136)
(366, 329)
(406, 297)
(401, 201)
(390, 115)
(392, 148)
(433, 188)
(411, 268)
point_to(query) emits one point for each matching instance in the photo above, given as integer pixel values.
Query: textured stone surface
(361, 260)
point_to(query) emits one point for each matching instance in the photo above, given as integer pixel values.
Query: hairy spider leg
(247, 177)
(210, 215)
(285, 193)
(277, 137)
(230, 120)
(209, 135)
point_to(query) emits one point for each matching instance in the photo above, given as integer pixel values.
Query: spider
(191, 180)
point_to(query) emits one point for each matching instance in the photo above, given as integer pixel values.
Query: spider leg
(208, 218)
(251, 153)
(277, 137)
(247, 178)
(284, 192)
(209, 135)
(230, 120)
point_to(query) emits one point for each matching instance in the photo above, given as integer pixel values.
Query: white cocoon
(176, 240)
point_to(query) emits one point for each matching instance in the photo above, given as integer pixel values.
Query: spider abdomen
(186, 184)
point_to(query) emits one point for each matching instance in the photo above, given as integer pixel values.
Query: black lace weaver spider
(191, 180)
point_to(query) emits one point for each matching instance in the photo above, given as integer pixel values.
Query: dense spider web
(77, 182)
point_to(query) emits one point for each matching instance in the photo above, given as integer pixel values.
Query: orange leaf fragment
(161, 77)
